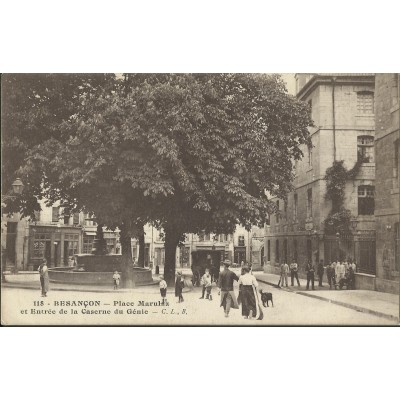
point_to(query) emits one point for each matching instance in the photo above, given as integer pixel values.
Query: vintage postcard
(200, 199)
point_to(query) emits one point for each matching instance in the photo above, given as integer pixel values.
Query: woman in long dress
(248, 294)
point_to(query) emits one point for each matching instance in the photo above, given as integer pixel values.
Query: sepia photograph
(200, 199)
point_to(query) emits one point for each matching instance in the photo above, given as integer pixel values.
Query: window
(295, 207)
(396, 159)
(365, 148)
(365, 102)
(366, 202)
(310, 156)
(268, 221)
(241, 241)
(87, 245)
(75, 219)
(277, 212)
(55, 215)
(309, 203)
(269, 250)
(37, 216)
(66, 216)
(277, 251)
(110, 246)
(207, 237)
(201, 237)
(41, 241)
(70, 245)
(285, 208)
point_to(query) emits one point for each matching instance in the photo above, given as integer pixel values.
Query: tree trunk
(126, 259)
(141, 247)
(171, 243)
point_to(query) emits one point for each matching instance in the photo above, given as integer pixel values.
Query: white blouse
(248, 279)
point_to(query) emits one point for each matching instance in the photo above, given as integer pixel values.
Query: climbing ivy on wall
(336, 177)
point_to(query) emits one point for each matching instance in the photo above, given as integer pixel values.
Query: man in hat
(225, 284)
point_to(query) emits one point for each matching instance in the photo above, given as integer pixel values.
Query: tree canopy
(187, 152)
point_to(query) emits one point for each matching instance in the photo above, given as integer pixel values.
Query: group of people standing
(285, 269)
(179, 285)
(336, 272)
(247, 298)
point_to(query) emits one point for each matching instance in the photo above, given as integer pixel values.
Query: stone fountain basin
(67, 275)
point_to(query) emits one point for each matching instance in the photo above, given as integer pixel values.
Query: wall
(387, 184)
(349, 125)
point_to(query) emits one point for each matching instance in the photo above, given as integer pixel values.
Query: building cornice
(339, 79)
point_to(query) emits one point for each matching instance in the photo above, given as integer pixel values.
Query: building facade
(55, 235)
(342, 108)
(387, 202)
(242, 245)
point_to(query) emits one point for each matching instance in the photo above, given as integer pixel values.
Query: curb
(337, 302)
(66, 289)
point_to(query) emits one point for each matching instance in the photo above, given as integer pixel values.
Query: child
(206, 283)
(116, 278)
(163, 288)
(178, 287)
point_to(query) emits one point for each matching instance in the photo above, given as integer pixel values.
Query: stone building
(342, 108)
(240, 246)
(55, 235)
(387, 201)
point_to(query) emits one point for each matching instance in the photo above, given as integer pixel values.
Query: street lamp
(18, 188)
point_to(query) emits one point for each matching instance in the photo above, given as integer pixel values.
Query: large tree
(188, 152)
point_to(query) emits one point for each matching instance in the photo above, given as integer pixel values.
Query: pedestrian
(350, 279)
(117, 279)
(339, 271)
(225, 284)
(284, 274)
(353, 266)
(346, 267)
(320, 272)
(330, 274)
(294, 272)
(163, 289)
(71, 262)
(44, 277)
(310, 275)
(248, 284)
(179, 286)
(206, 285)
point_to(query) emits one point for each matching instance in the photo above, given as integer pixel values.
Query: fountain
(98, 268)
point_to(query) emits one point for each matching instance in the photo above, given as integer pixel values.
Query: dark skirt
(178, 287)
(248, 300)
(163, 292)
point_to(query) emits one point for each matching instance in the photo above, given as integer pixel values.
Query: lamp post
(315, 236)
(17, 188)
(338, 243)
